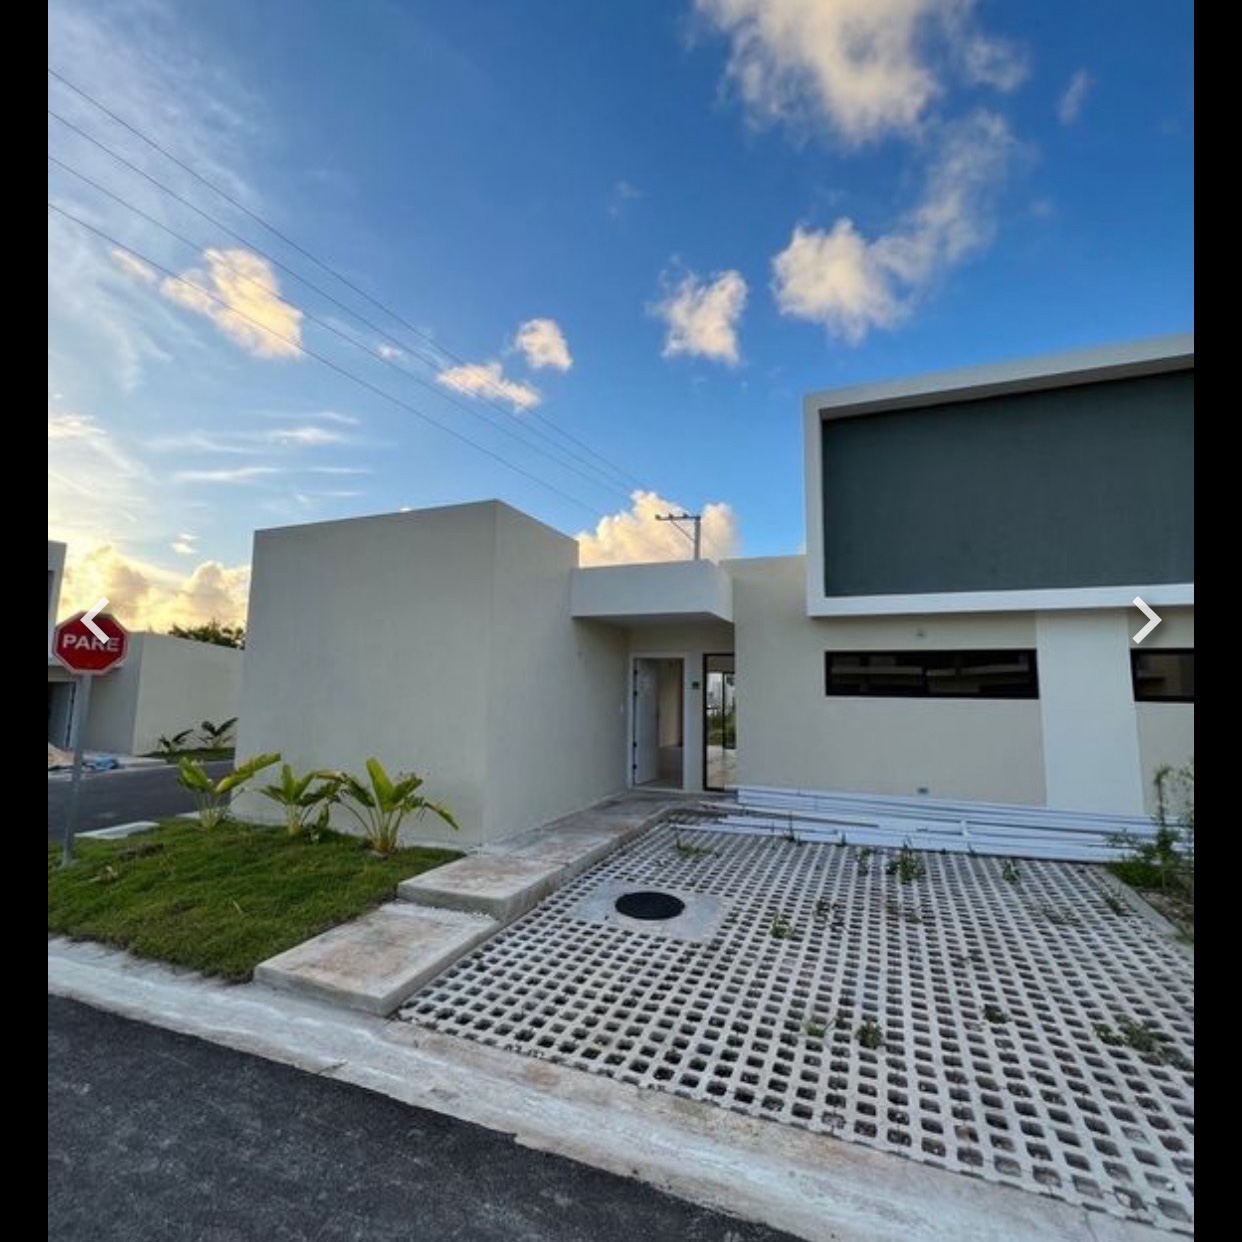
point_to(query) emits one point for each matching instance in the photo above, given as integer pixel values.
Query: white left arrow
(88, 618)
(1153, 618)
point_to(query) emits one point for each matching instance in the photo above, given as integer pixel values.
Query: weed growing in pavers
(1147, 1039)
(781, 928)
(864, 860)
(687, 850)
(816, 1030)
(907, 866)
(1011, 873)
(1116, 904)
(995, 1014)
(870, 1035)
(824, 909)
(1061, 918)
(896, 910)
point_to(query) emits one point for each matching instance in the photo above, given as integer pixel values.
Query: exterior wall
(673, 589)
(440, 642)
(1166, 731)
(1091, 746)
(556, 705)
(182, 683)
(113, 710)
(790, 733)
(691, 642)
(371, 637)
(165, 685)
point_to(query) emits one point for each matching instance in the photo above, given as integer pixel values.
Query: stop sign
(82, 651)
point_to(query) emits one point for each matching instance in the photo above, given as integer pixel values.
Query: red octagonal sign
(80, 651)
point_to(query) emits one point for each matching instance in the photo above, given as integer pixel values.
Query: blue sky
(652, 226)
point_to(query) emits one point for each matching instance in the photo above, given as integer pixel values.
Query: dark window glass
(1166, 676)
(933, 674)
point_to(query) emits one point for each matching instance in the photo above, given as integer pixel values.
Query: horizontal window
(933, 674)
(1163, 676)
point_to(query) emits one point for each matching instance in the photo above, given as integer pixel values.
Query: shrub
(213, 797)
(382, 803)
(303, 798)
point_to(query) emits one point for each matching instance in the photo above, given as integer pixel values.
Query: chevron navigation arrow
(88, 618)
(1153, 618)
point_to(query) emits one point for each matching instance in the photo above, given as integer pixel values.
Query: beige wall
(165, 685)
(791, 733)
(440, 641)
(1166, 730)
(556, 687)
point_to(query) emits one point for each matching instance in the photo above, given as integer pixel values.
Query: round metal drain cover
(650, 906)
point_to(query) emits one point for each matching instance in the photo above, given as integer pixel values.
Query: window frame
(942, 656)
(1137, 654)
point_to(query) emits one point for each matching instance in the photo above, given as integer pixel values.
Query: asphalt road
(118, 797)
(158, 1135)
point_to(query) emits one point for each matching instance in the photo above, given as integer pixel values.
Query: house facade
(960, 626)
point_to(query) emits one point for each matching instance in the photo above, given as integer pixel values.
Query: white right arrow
(1153, 618)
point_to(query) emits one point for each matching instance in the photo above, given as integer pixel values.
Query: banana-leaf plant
(381, 803)
(217, 735)
(170, 745)
(305, 800)
(213, 797)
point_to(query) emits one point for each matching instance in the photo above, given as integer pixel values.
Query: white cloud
(634, 535)
(543, 344)
(149, 597)
(390, 353)
(1074, 97)
(701, 316)
(340, 470)
(93, 483)
(851, 284)
(867, 68)
(487, 379)
(238, 291)
(135, 267)
(623, 192)
(240, 474)
(185, 544)
(305, 437)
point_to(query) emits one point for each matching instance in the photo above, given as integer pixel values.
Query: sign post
(88, 644)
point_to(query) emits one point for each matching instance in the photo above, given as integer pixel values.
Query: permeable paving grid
(1013, 1021)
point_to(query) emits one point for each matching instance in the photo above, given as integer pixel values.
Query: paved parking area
(1010, 1021)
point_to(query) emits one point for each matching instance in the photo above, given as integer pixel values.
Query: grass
(220, 902)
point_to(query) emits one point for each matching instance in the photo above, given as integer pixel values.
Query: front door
(645, 739)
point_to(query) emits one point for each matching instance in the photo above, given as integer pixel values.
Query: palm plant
(170, 745)
(383, 802)
(216, 735)
(213, 797)
(303, 798)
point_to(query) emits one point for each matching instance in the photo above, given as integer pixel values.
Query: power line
(603, 480)
(329, 327)
(327, 362)
(320, 263)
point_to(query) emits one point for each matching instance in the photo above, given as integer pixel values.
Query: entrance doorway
(657, 722)
(719, 722)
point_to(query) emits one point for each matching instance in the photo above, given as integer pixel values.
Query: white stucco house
(166, 684)
(959, 626)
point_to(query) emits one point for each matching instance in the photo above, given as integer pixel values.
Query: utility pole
(696, 521)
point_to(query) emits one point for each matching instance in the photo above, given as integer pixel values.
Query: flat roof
(1080, 366)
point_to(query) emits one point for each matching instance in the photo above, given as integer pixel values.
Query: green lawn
(220, 901)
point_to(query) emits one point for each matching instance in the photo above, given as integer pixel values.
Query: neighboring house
(165, 685)
(960, 625)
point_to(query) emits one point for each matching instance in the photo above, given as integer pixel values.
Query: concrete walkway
(378, 961)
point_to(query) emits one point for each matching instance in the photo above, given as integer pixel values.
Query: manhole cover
(650, 906)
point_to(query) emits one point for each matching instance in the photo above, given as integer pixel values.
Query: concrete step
(378, 960)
